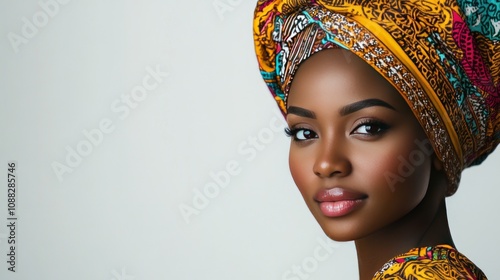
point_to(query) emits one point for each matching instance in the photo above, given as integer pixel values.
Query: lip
(338, 202)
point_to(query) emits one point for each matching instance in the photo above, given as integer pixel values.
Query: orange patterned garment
(439, 262)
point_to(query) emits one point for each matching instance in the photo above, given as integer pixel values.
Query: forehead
(335, 77)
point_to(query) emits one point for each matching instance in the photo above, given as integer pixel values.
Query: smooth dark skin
(391, 221)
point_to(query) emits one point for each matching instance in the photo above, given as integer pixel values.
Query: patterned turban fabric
(442, 56)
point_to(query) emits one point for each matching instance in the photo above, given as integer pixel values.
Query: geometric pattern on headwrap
(442, 56)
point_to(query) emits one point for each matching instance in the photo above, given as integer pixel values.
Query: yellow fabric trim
(396, 49)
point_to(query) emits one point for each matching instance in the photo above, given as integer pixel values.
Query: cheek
(300, 169)
(397, 168)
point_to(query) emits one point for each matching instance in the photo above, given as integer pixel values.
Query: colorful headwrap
(443, 56)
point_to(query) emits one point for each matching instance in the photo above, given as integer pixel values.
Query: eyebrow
(301, 112)
(346, 110)
(356, 106)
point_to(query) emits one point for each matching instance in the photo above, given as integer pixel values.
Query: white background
(116, 215)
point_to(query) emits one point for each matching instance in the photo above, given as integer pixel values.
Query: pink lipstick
(338, 202)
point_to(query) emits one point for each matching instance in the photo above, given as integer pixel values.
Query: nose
(332, 159)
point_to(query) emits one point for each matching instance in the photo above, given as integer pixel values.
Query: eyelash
(382, 127)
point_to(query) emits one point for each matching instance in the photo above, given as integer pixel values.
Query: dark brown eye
(301, 134)
(370, 128)
(305, 134)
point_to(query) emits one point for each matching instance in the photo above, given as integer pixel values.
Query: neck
(426, 225)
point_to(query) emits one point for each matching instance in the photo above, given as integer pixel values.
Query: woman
(387, 102)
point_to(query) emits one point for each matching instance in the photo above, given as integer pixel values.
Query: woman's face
(358, 155)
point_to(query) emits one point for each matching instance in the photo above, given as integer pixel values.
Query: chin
(341, 235)
(340, 229)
